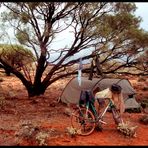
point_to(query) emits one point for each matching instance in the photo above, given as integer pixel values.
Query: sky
(142, 8)
(142, 11)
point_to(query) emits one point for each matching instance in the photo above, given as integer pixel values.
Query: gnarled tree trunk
(36, 90)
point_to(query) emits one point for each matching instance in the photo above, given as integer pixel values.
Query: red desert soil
(23, 119)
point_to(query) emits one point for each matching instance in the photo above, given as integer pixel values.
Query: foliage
(16, 56)
(41, 138)
(72, 131)
(110, 31)
(144, 103)
(127, 130)
(1, 79)
(144, 119)
(141, 79)
(2, 102)
(145, 88)
(133, 110)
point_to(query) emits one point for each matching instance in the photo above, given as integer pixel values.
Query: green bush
(16, 56)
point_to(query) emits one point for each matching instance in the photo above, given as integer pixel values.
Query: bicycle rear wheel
(83, 121)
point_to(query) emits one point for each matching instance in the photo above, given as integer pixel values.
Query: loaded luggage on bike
(86, 118)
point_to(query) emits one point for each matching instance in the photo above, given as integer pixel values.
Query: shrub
(2, 102)
(144, 103)
(145, 88)
(1, 80)
(141, 79)
(144, 119)
(133, 110)
(16, 56)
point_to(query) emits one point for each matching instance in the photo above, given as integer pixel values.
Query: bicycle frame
(111, 105)
(98, 118)
(86, 117)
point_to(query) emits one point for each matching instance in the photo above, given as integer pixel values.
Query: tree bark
(36, 90)
(7, 72)
(98, 66)
(91, 71)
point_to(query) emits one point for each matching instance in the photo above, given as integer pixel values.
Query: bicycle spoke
(83, 120)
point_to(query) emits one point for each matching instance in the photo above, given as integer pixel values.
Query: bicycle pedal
(102, 122)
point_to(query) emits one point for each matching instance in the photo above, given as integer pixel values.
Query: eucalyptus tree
(109, 31)
(122, 42)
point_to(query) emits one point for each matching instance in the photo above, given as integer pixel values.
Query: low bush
(144, 119)
(144, 103)
(133, 110)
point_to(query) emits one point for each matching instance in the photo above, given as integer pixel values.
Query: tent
(71, 92)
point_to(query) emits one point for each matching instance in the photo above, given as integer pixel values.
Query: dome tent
(71, 92)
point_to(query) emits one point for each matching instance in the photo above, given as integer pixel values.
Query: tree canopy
(17, 57)
(109, 31)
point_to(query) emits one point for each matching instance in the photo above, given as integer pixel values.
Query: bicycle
(85, 118)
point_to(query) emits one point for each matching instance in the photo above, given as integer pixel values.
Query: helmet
(115, 88)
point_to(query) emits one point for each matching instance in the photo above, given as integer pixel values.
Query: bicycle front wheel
(83, 121)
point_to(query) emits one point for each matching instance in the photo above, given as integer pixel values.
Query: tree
(109, 30)
(122, 41)
(17, 57)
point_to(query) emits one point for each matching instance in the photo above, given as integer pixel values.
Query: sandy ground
(42, 120)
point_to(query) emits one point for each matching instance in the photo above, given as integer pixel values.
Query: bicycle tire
(83, 121)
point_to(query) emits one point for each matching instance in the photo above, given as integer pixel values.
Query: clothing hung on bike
(87, 96)
(117, 98)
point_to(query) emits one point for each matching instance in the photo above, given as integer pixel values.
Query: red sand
(48, 116)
